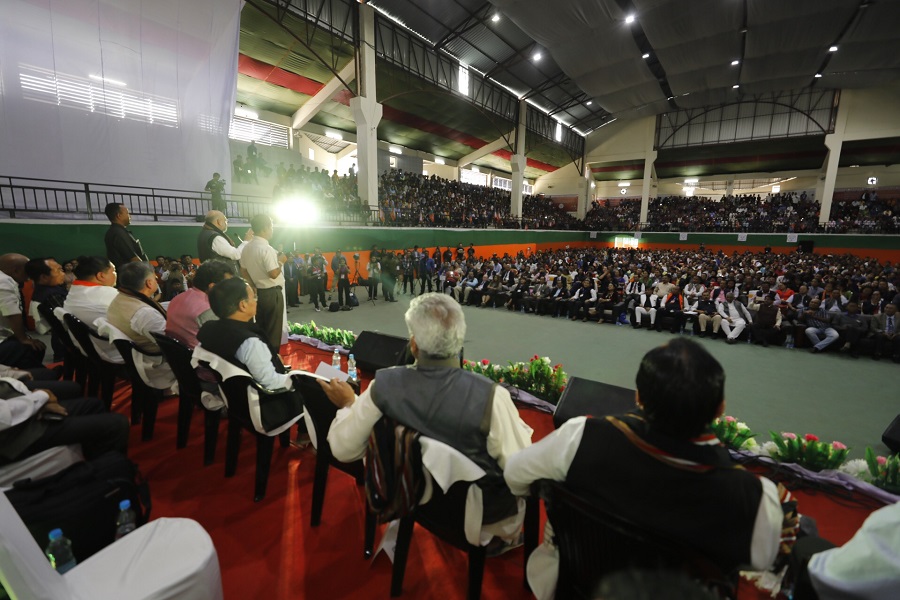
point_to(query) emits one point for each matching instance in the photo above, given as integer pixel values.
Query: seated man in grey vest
(439, 400)
(660, 467)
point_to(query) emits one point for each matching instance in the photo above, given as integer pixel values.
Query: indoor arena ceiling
(595, 64)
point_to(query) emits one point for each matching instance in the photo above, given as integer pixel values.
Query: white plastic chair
(166, 558)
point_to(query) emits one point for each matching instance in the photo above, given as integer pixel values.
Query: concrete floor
(832, 396)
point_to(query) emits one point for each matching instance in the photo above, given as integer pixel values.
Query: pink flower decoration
(485, 362)
(730, 419)
(536, 357)
(810, 438)
(789, 435)
(881, 460)
(838, 446)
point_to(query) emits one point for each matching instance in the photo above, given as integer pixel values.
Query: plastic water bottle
(126, 522)
(336, 359)
(351, 369)
(59, 551)
(789, 342)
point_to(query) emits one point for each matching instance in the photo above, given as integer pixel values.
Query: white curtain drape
(124, 92)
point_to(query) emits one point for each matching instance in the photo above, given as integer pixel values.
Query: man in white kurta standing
(261, 267)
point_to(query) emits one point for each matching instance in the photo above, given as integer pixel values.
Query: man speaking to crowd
(213, 242)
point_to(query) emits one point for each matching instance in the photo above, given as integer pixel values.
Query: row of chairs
(591, 542)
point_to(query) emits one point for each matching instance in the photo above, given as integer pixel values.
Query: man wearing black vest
(213, 242)
(439, 400)
(660, 467)
(237, 339)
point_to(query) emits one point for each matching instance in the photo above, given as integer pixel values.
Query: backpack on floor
(83, 501)
(334, 307)
(353, 301)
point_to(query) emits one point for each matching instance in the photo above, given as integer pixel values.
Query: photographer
(215, 187)
(316, 278)
(374, 271)
(389, 269)
(342, 275)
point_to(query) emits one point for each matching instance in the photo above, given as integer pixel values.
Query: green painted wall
(68, 239)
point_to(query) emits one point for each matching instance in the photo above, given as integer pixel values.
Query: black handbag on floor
(83, 501)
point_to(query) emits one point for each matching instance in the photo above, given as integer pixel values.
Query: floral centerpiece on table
(537, 376)
(808, 451)
(733, 433)
(328, 335)
(884, 471)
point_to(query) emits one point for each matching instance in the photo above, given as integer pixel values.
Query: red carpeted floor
(268, 549)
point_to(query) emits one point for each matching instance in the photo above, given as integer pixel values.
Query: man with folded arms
(660, 467)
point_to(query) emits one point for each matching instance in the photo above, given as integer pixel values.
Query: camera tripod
(355, 282)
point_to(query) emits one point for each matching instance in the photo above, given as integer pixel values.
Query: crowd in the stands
(867, 214)
(830, 302)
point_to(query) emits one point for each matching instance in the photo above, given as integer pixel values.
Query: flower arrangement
(328, 335)
(884, 471)
(733, 433)
(536, 377)
(808, 451)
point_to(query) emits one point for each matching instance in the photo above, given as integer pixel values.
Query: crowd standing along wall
(69, 239)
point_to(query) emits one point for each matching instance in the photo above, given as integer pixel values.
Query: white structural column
(646, 184)
(834, 142)
(649, 160)
(729, 187)
(314, 104)
(518, 162)
(366, 111)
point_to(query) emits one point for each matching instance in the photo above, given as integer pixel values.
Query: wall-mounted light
(439, 160)
(243, 111)
(334, 135)
(624, 184)
(395, 149)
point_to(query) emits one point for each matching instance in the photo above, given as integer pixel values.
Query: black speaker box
(891, 435)
(585, 397)
(806, 246)
(374, 350)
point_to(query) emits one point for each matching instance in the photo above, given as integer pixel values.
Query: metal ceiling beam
(498, 144)
(259, 5)
(315, 104)
(469, 23)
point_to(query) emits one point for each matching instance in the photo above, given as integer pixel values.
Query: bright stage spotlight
(297, 211)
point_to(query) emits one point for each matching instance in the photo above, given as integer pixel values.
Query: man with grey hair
(438, 399)
(134, 311)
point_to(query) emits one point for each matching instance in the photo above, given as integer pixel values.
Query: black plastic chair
(76, 363)
(178, 356)
(236, 390)
(102, 374)
(443, 516)
(144, 399)
(593, 543)
(321, 412)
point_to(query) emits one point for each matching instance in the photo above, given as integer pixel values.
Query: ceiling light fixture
(734, 63)
(536, 56)
(495, 18)
(818, 75)
(735, 86)
(629, 19)
(833, 49)
(589, 102)
(645, 55)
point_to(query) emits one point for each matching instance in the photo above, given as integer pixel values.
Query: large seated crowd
(839, 303)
